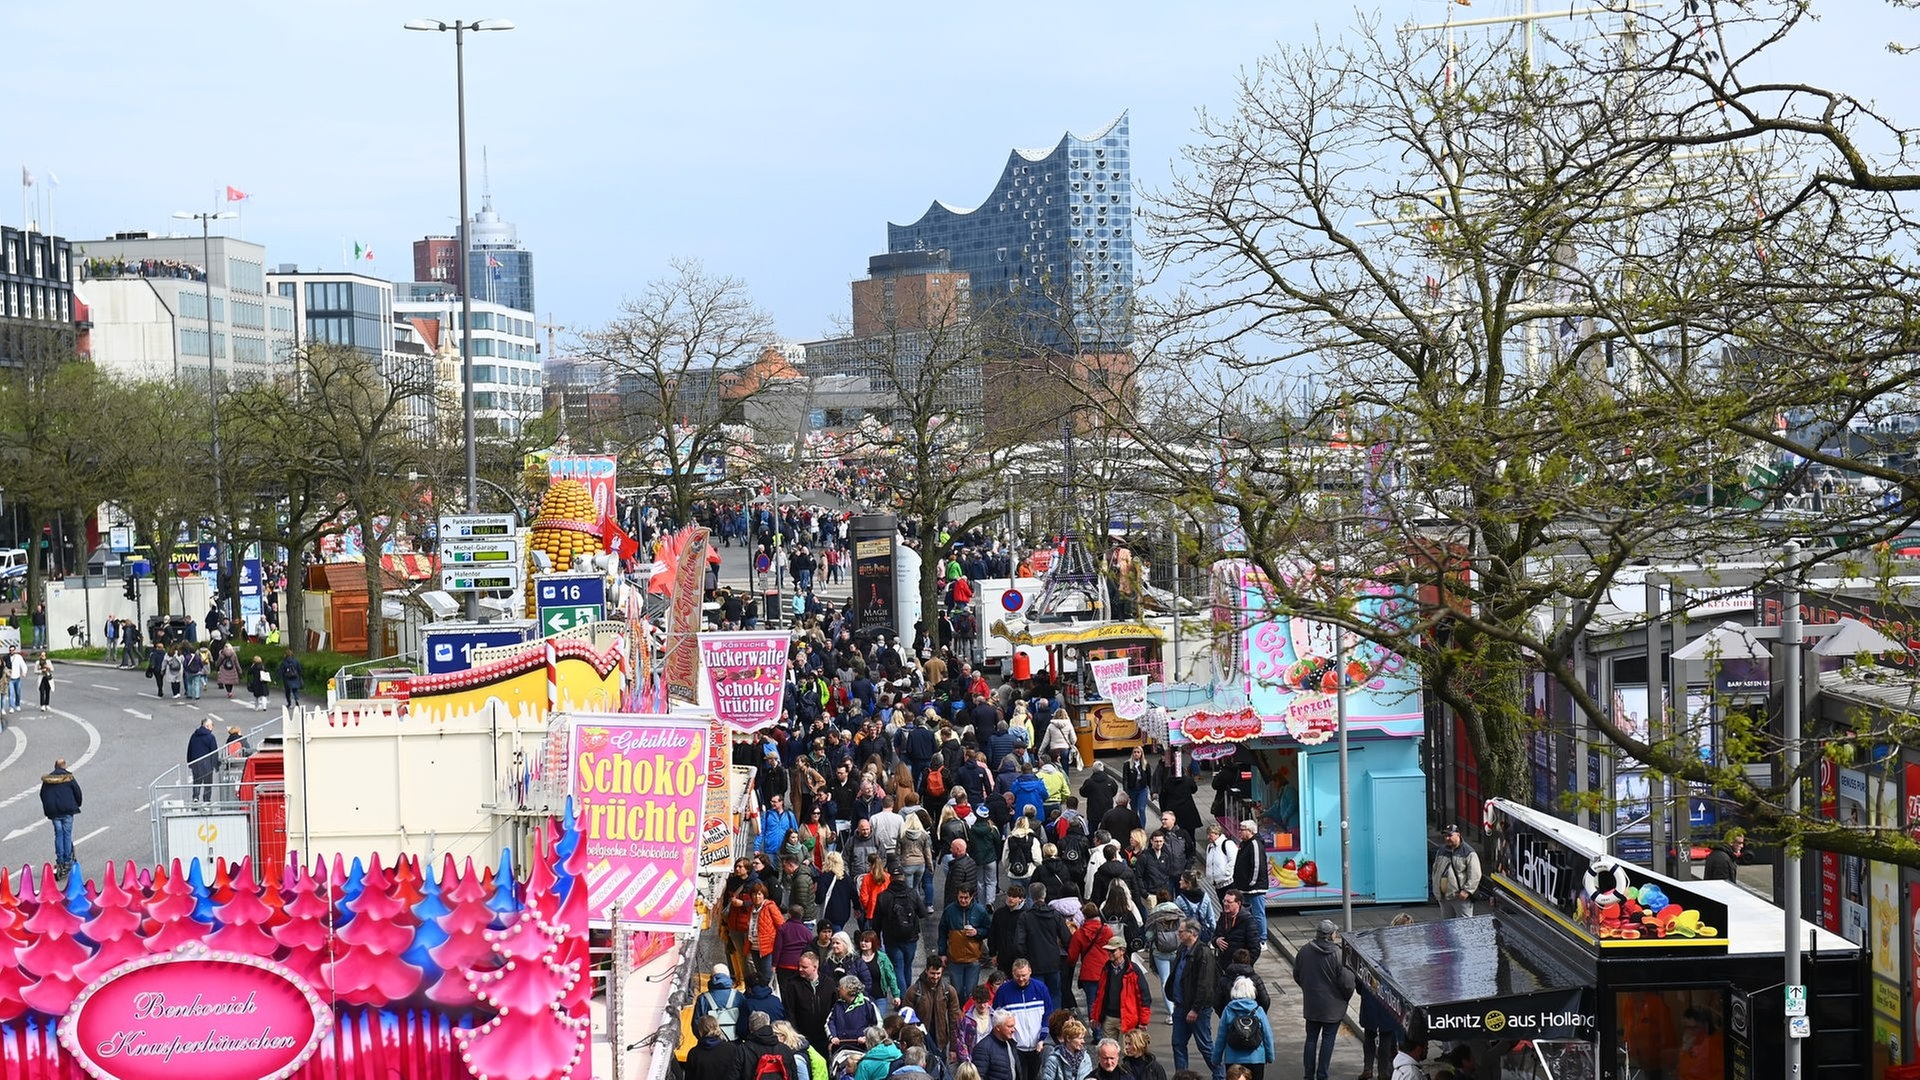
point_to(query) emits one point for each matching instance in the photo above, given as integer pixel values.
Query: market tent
(1473, 978)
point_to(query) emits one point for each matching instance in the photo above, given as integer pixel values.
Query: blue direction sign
(568, 600)
(450, 646)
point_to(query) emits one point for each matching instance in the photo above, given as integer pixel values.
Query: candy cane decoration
(553, 676)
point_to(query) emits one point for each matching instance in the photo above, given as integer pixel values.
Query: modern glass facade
(502, 276)
(1055, 236)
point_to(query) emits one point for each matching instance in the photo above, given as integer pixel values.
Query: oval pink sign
(210, 1016)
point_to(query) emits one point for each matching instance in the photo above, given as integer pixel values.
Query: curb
(94, 663)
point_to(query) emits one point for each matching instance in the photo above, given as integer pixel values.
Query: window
(193, 304)
(249, 350)
(245, 276)
(248, 314)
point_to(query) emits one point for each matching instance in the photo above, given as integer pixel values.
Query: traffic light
(127, 590)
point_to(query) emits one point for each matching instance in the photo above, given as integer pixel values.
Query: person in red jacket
(1122, 1000)
(1085, 952)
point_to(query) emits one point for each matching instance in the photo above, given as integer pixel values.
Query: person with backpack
(1326, 983)
(1073, 845)
(914, 855)
(1163, 938)
(1087, 949)
(722, 1002)
(759, 1000)
(897, 915)
(714, 1051)
(1041, 941)
(984, 843)
(1245, 1036)
(1021, 855)
(760, 1054)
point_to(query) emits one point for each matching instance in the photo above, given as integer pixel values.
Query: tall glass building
(499, 268)
(1055, 237)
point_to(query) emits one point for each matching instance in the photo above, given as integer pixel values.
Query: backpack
(728, 1015)
(1244, 1032)
(774, 1067)
(1166, 937)
(1020, 856)
(936, 782)
(903, 921)
(1072, 847)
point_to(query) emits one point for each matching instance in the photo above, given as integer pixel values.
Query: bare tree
(681, 355)
(1479, 328)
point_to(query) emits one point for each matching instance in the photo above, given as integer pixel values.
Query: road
(117, 737)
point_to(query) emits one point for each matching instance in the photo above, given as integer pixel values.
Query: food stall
(1271, 727)
(1592, 967)
(1101, 671)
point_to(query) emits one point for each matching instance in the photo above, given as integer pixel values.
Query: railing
(206, 819)
(358, 681)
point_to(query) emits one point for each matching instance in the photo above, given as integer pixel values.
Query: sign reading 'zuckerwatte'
(747, 673)
(210, 1016)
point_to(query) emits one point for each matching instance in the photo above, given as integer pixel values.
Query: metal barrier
(207, 819)
(362, 679)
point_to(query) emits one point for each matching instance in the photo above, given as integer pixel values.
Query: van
(13, 563)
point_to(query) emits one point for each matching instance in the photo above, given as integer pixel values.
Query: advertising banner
(873, 582)
(594, 470)
(716, 819)
(1853, 868)
(638, 782)
(1557, 1014)
(747, 673)
(1129, 696)
(1829, 862)
(1105, 671)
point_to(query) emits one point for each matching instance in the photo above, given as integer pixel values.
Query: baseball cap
(1117, 945)
(1449, 828)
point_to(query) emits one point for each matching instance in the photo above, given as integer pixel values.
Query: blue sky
(772, 141)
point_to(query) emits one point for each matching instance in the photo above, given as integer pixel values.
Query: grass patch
(78, 654)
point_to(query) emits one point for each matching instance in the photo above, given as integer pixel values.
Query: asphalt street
(117, 737)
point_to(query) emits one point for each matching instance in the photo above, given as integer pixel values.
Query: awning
(410, 567)
(1021, 632)
(1472, 979)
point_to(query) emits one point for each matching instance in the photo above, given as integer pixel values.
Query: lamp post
(206, 220)
(460, 28)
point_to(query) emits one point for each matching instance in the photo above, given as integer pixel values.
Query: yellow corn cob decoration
(565, 529)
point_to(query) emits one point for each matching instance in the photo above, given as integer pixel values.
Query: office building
(499, 268)
(1053, 241)
(38, 317)
(148, 297)
(437, 259)
(910, 315)
(507, 376)
(356, 311)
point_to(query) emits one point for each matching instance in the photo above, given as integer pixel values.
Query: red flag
(617, 540)
(234, 194)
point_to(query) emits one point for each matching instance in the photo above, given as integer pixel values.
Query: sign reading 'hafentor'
(210, 1016)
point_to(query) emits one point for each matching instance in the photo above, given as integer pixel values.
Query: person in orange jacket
(872, 884)
(764, 919)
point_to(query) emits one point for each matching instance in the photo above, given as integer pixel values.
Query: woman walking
(1245, 1036)
(175, 668)
(257, 680)
(226, 669)
(194, 667)
(46, 682)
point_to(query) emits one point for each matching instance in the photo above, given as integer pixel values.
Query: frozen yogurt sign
(211, 1016)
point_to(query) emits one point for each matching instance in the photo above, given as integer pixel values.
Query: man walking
(1456, 875)
(16, 675)
(1193, 984)
(1325, 985)
(60, 800)
(964, 930)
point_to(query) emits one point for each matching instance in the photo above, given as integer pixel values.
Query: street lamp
(206, 220)
(460, 28)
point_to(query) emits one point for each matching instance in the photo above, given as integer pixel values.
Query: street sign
(1799, 1027)
(450, 646)
(564, 601)
(567, 590)
(555, 619)
(763, 563)
(1013, 600)
(473, 579)
(478, 526)
(120, 538)
(1796, 999)
(480, 553)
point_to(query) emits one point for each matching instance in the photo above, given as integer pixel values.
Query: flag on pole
(26, 176)
(493, 263)
(362, 251)
(234, 194)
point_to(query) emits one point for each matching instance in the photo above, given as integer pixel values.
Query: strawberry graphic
(594, 739)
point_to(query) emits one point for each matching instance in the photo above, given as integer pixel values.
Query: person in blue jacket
(775, 824)
(1029, 790)
(1242, 1005)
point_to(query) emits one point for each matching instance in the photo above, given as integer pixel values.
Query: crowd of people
(930, 892)
(150, 268)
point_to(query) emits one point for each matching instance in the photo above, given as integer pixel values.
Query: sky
(771, 141)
